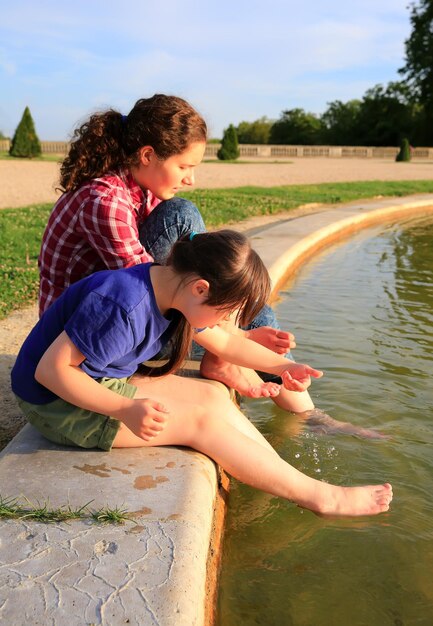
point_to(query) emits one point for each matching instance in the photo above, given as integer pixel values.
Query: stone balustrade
(268, 151)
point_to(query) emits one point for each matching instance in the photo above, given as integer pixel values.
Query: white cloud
(7, 67)
(234, 60)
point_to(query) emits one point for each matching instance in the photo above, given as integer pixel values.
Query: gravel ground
(24, 183)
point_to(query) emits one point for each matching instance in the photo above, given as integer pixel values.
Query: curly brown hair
(110, 141)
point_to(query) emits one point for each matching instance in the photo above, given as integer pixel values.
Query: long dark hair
(236, 274)
(110, 141)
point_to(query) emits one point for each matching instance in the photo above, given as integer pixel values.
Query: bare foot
(352, 501)
(242, 379)
(320, 422)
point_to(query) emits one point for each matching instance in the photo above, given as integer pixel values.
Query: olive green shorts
(63, 423)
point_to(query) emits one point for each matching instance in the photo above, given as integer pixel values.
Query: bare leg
(246, 459)
(292, 401)
(321, 422)
(195, 392)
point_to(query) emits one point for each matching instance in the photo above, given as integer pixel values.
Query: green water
(363, 312)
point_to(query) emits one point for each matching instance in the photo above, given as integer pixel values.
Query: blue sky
(233, 60)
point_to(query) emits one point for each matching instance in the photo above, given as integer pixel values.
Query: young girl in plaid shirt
(118, 170)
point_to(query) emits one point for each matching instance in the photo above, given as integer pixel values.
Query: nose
(189, 180)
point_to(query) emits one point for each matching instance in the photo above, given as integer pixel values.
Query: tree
(405, 153)
(297, 127)
(229, 146)
(418, 69)
(386, 115)
(25, 142)
(255, 132)
(339, 123)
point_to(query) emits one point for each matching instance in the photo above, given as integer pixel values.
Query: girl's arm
(246, 353)
(59, 371)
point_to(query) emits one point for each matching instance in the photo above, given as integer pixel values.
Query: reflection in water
(362, 312)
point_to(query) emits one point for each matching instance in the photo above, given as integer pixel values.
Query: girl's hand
(146, 419)
(278, 341)
(297, 377)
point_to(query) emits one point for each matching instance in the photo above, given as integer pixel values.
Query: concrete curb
(153, 570)
(156, 570)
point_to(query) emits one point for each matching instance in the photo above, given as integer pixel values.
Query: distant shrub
(229, 145)
(25, 142)
(405, 151)
(257, 132)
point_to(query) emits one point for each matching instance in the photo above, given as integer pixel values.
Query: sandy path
(22, 183)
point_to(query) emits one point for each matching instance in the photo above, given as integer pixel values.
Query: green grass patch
(21, 232)
(225, 206)
(21, 229)
(11, 508)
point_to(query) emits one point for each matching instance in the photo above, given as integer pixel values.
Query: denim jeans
(165, 225)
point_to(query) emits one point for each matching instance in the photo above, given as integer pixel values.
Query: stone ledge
(150, 571)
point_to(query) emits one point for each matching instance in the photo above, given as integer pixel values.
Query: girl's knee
(214, 395)
(181, 212)
(203, 423)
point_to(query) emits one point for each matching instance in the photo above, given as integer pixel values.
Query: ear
(200, 288)
(146, 154)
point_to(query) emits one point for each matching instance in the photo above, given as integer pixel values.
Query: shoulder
(105, 197)
(110, 185)
(116, 191)
(98, 190)
(128, 288)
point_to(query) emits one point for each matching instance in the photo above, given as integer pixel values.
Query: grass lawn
(21, 229)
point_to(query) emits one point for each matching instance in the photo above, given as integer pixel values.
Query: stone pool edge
(323, 229)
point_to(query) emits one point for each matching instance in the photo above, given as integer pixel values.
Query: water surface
(363, 312)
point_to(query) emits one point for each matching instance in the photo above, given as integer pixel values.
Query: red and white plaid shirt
(93, 228)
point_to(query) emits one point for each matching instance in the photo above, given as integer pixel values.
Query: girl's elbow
(41, 373)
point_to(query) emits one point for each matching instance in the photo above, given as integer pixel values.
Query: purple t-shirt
(110, 316)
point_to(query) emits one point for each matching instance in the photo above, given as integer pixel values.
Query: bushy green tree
(257, 132)
(386, 115)
(339, 123)
(25, 142)
(418, 70)
(405, 152)
(229, 146)
(297, 127)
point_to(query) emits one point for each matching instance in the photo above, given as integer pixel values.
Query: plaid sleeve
(109, 224)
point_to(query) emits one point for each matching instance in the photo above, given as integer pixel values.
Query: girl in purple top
(76, 375)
